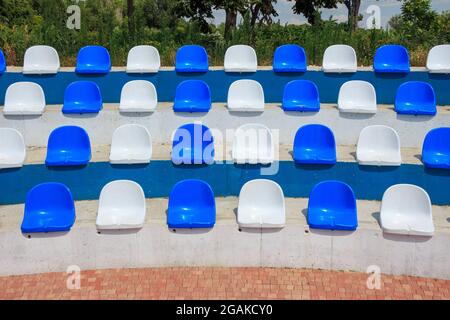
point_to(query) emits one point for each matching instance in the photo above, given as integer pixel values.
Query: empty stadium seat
(68, 146)
(339, 58)
(143, 59)
(138, 96)
(93, 60)
(191, 58)
(301, 95)
(261, 205)
(121, 206)
(49, 207)
(12, 148)
(131, 144)
(415, 97)
(314, 143)
(289, 58)
(82, 97)
(41, 60)
(193, 143)
(406, 209)
(253, 143)
(378, 145)
(191, 205)
(240, 58)
(357, 96)
(332, 206)
(2, 62)
(245, 95)
(192, 96)
(436, 148)
(438, 60)
(391, 58)
(24, 98)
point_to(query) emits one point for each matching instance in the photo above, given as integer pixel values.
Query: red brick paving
(220, 283)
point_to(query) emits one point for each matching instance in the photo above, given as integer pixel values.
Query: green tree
(310, 9)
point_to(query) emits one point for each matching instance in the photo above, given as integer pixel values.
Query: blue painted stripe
(158, 178)
(273, 83)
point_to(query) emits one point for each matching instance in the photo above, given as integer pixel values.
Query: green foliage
(160, 23)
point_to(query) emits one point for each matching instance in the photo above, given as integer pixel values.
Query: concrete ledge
(164, 121)
(295, 246)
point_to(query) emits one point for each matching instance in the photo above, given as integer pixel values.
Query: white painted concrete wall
(295, 246)
(162, 123)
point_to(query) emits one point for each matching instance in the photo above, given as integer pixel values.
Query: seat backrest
(122, 196)
(289, 57)
(193, 91)
(81, 94)
(68, 137)
(143, 59)
(314, 136)
(131, 136)
(245, 93)
(438, 59)
(415, 93)
(191, 193)
(339, 57)
(191, 58)
(437, 140)
(139, 94)
(41, 59)
(379, 137)
(240, 58)
(25, 94)
(49, 197)
(2, 62)
(332, 195)
(93, 59)
(391, 58)
(262, 193)
(406, 199)
(357, 94)
(254, 141)
(11, 141)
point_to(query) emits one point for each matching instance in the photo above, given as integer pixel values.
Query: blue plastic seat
(332, 206)
(415, 97)
(192, 96)
(193, 143)
(191, 205)
(436, 148)
(314, 143)
(68, 146)
(301, 95)
(93, 60)
(391, 58)
(191, 58)
(289, 58)
(2, 62)
(49, 207)
(82, 97)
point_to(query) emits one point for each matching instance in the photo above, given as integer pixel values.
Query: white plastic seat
(438, 60)
(379, 145)
(245, 95)
(131, 144)
(253, 143)
(41, 60)
(261, 205)
(339, 58)
(143, 59)
(406, 209)
(121, 206)
(12, 148)
(24, 98)
(240, 58)
(357, 96)
(138, 96)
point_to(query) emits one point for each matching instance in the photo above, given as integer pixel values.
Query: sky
(388, 8)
